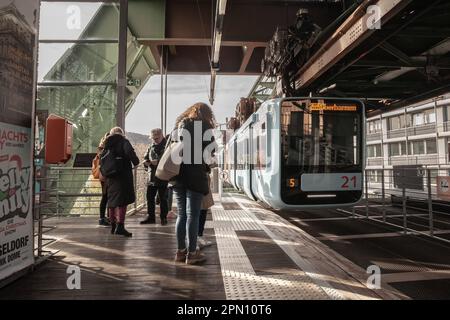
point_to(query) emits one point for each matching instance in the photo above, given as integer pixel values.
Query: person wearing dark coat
(120, 188)
(191, 185)
(155, 185)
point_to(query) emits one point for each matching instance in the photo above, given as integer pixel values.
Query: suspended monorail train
(296, 153)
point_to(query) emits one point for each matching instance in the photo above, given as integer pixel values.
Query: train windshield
(321, 136)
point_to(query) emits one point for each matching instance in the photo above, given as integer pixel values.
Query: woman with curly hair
(191, 184)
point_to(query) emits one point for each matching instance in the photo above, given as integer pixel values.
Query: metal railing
(421, 129)
(375, 161)
(66, 192)
(413, 130)
(396, 133)
(445, 126)
(374, 136)
(407, 199)
(413, 160)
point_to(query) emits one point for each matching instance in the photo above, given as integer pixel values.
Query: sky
(54, 24)
(183, 90)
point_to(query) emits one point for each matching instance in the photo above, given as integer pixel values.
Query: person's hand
(154, 162)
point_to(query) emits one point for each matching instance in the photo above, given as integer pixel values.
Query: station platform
(257, 254)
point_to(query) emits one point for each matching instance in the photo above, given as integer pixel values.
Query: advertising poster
(18, 20)
(16, 218)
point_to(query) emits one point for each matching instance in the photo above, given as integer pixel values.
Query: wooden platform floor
(115, 267)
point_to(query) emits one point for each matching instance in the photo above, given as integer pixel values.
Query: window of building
(434, 173)
(431, 146)
(417, 147)
(396, 122)
(446, 112)
(374, 176)
(424, 117)
(374, 126)
(423, 147)
(397, 149)
(374, 151)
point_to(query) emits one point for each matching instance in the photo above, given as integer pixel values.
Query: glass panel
(397, 149)
(378, 150)
(430, 116)
(71, 20)
(393, 123)
(77, 62)
(374, 151)
(417, 147)
(319, 138)
(374, 126)
(403, 148)
(446, 113)
(418, 119)
(374, 175)
(397, 122)
(394, 149)
(378, 125)
(370, 151)
(434, 173)
(431, 146)
(92, 110)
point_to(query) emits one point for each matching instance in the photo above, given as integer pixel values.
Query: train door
(241, 160)
(234, 164)
(250, 163)
(259, 142)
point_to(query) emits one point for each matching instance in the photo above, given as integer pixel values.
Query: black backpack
(110, 164)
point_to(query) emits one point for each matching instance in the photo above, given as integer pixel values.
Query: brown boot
(195, 257)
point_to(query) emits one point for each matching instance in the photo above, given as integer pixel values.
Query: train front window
(318, 135)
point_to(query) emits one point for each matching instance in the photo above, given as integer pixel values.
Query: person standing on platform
(155, 185)
(191, 185)
(120, 187)
(103, 221)
(170, 213)
(208, 202)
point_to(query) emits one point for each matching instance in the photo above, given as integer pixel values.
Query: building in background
(416, 137)
(16, 67)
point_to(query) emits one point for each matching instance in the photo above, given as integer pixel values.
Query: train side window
(262, 149)
(269, 134)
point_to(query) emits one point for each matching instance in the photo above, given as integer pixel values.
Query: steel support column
(122, 63)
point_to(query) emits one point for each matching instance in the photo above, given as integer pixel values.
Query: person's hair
(156, 131)
(117, 130)
(101, 145)
(199, 111)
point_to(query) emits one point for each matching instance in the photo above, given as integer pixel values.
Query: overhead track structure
(263, 89)
(391, 52)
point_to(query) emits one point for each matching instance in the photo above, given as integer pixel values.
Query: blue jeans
(189, 204)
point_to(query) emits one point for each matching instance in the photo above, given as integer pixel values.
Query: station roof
(247, 28)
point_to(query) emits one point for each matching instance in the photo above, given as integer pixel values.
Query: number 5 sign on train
(331, 181)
